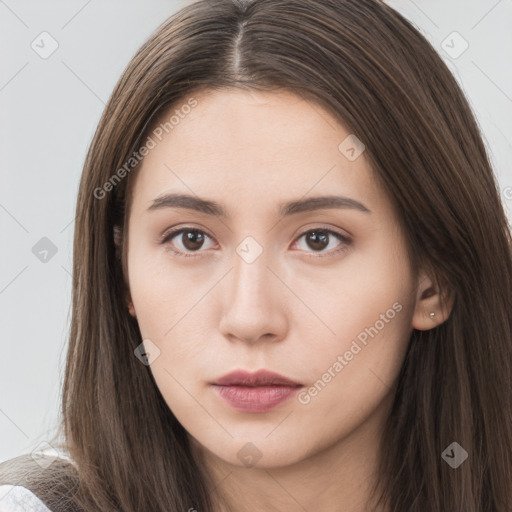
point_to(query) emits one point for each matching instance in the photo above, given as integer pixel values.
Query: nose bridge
(250, 308)
(250, 274)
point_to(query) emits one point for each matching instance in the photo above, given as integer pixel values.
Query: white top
(15, 498)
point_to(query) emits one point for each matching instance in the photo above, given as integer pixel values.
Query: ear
(118, 240)
(431, 297)
(129, 303)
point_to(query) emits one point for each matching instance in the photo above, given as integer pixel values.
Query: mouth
(255, 392)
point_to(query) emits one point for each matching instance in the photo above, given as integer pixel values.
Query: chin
(256, 452)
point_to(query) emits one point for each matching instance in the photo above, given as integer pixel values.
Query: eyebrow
(209, 207)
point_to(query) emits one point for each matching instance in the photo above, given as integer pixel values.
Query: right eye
(191, 239)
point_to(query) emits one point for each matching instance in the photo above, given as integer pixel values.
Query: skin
(293, 310)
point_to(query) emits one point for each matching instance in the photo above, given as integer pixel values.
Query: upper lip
(259, 378)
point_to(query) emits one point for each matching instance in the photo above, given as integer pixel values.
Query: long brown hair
(365, 63)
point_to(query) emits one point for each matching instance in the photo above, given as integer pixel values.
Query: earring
(432, 314)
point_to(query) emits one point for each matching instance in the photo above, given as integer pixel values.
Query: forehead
(251, 148)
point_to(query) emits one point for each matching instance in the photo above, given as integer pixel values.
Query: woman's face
(269, 277)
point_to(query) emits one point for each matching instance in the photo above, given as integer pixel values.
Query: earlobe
(131, 309)
(433, 304)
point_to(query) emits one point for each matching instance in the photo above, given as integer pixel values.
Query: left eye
(193, 239)
(320, 239)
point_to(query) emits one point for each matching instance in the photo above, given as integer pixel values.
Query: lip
(259, 378)
(255, 392)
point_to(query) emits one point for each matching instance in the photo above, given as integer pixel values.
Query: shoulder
(16, 498)
(39, 483)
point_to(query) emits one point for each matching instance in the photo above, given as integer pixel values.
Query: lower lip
(255, 399)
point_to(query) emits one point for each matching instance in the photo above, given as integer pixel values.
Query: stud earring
(432, 314)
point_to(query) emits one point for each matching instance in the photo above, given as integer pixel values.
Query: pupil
(319, 241)
(190, 240)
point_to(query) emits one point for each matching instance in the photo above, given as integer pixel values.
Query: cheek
(366, 311)
(171, 306)
(158, 295)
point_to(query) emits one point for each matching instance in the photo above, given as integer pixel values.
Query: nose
(254, 302)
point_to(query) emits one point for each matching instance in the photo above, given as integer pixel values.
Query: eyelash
(171, 234)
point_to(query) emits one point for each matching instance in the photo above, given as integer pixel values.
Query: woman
(292, 277)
